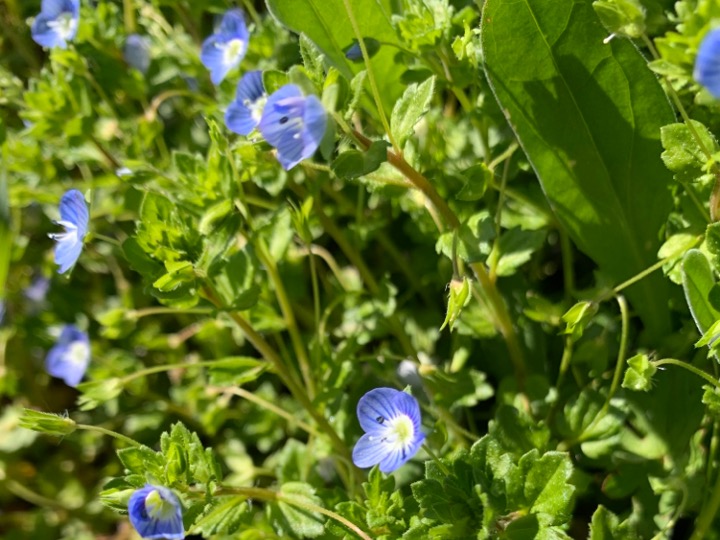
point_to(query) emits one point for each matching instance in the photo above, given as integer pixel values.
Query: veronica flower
(391, 420)
(294, 124)
(707, 63)
(57, 23)
(155, 512)
(74, 217)
(137, 52)
(70, 357)
(226, 47)
(243, 115)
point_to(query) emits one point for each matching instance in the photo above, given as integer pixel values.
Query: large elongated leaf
(588, 115)
(327, 24)
(698, 280)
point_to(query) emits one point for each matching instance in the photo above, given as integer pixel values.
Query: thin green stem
(169, 367)
(108, 432)
(129, 16)
(290, 417)
(107, 239)
(289, 315)
(567, 264)
(274, 496)
(700, 373)
(622, 352)
(162, 310)
(371, 76)
(708, 513)
(436, 459)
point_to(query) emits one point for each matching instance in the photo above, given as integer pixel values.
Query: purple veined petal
(155, 512)
(67, 250)
(212, 55)
(369, 451)
(45, 35)
(73, 209)
(398, 457)
(53, 8)
(233, 25)
(315, 121)
(250, 87)
(282, 114)
(239, 119)
(707, 63)
(378, 406)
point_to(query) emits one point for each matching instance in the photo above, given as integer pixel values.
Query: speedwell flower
(226, 47)
(294, 124)
(70, 357)
(391, 420)
(137, 52)
(707, 63)
(74, 217)
(57, 23)
(155, 512)
(243, 115)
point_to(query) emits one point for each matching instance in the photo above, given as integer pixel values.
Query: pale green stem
(436, 459)
(162, 310)
(129, 16)
(707, 514)
(689, 367)
(108, 432)
(274, 496)
(291, 418)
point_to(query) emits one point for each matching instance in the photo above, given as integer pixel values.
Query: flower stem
(708, 513)
(436, 459)
(689, 367)
(108, 432)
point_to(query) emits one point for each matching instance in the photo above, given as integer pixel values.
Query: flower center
(233, 49)
(256, 107)
(157, 507)
(402, 430)
(64, 25)
(77, 353)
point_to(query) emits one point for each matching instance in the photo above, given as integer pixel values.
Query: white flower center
(233, 49)
(70, 234)
(157, 507)
(256, 107)
(402, 430)
(77, 353)
(64, 25)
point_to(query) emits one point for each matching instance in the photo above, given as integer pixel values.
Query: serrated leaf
(409, 109)
(639, 373)
(225, 516)
(683, 155)
(294, 516)
(698, 280)
(607, 526)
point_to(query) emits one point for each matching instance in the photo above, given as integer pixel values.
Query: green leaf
(236, 371)
(711, 399)
(588, 116)
(409, 109)
(578, 317)
(623, 17)
(514, 249)
(457, 299)
(683, 155)
(327, 24)
(95, 393)
(142, 460)
(698, 280)
(354, 164)
(477, 179)
(291, 514)
(224, 516)
(607, 526)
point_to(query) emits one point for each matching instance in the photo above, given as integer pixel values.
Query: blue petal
(283, 115)
(315, 121)
(149, 527)
(137, 52)
(60, 361)
(67, 252)
(354, 52)
(233, 26)
(73, 208)
(53, 8)
(707, 63)
(395, 458)
(382, 404)
(45, 35)
(212, 55)
(239, 119)
(250, 86)
(369, 451)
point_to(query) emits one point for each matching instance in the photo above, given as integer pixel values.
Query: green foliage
(587, 159)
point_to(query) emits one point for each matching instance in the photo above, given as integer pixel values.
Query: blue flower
(294, 124)
(137, 52)
(243, 115)
(155, 512)
(707, 63)
(225, 48)
(70, 357)
(391, 420)
(57, 23)
(74, 217)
